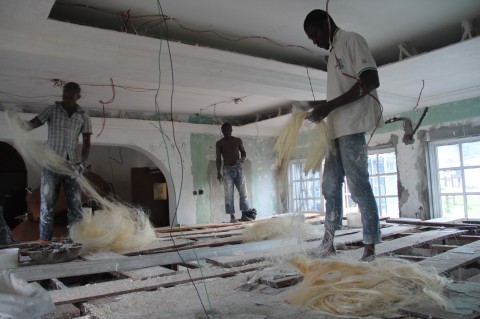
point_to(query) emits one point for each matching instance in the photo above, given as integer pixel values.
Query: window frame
(434, 190)
(376, 152)
(304, 179)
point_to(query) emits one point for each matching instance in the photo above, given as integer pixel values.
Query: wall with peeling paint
(445, 121)
(186, 156)
(183, 154)
(259, 171)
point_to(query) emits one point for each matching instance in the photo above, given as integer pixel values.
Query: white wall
(144, 137)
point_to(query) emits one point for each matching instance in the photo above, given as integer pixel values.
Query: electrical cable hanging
(181, 163)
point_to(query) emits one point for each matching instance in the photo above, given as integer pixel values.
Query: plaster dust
(227, 299)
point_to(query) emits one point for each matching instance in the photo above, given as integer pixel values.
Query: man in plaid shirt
(66, 121)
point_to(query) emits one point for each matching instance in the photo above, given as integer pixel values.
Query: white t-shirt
(350, 57)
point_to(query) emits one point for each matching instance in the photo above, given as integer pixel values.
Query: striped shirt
(63, 131)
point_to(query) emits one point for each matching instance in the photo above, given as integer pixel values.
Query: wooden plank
(416, 239)
(455, 258)
(292, 248)
(118, 287)
(442, 247)
(78, 268)
(135, 274)
(418, 222)
(280, 281)
(474, 278)
(200, 231)
(463, 298)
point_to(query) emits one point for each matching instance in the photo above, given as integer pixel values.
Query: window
(304, 190)
(455, 174)
(382, 168)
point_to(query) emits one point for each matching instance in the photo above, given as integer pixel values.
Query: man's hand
(242, 160)
(302, 105)
(78, 169)
(220, 178)
(320, 111)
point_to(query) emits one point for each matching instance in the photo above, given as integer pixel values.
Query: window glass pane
(310, 189)
(473, 206)
(390, 162)
(372, 164)
(450, 181)
(381, 164)
(297, 190)
(374, 183)
(472, 180)
(349, 202)
(382, 187)
(297, 171)
(452, 206)
(391, 185)
(448, 156)
(392, 207)
(471, 153)
(382, 206)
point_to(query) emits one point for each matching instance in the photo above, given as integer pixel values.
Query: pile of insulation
(350, 288)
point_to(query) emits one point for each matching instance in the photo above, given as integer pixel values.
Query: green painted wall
(262, 174)
(202, 146)
(438, 114)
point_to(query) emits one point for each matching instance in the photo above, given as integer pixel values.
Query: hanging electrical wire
(160, 9)
(126, 19)
(103, 106)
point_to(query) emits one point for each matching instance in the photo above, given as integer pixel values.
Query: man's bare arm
(218, 161)
(33, 123)
(243, 154)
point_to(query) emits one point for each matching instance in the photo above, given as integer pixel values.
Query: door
(149, 190)
(13, 181)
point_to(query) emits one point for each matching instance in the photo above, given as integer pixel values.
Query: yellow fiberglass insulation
(116, 227)
(280, 227)
(351, 288)
(318, 144)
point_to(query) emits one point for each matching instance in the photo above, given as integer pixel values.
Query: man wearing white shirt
(351, 109)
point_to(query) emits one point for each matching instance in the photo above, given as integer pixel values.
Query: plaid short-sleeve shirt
(64, 130)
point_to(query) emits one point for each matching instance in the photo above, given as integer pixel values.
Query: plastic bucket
(354, 220)
(8, 258)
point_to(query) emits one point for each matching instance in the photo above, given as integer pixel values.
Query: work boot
(233, 219)
(245, 217)
(368, 252)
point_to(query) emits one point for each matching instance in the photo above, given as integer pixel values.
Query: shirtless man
(229, 148)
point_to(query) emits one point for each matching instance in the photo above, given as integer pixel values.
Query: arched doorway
(13, 181)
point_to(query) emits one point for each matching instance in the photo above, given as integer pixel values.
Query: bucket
(354, 220)
(8, 258)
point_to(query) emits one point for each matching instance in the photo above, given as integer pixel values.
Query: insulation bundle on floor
(117, 227)
(351, 288)
(280, 227)
(318, 144)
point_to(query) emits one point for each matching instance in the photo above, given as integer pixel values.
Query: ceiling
(248, 66)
